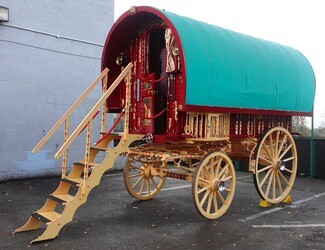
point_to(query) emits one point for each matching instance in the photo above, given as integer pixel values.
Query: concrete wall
(49, 54)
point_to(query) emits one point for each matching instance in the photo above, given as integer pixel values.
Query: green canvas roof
(229, 69)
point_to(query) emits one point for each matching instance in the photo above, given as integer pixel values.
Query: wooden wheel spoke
(207, 172)
(203, 189)
(153, 182)
(211, 168)
(273, 186)
(148, 186)
(267, 151)
(265, 177)
(276, 143)
(209, 203)
(261, 157)
(223, 170)
(271, 145)
(269, 184)
(221, 197)
(205, 181)
(279, 183)
(217, 162)
(288, 170)
(283, 178)
(285, 151)
(226, 178)
(282, 144)
(135, 167)
(215, 203)
(289, 159)
(264, 169)
(217, 169)
(135, 175)
(137, 182)
(205, 197)
(142, 187)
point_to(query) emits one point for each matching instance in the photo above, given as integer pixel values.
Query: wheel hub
(281, 165)
(147, 172)
(219, 186)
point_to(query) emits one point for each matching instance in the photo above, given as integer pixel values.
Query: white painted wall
(49, 54)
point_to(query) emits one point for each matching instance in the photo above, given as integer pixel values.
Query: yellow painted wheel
(275, 165)
(143, 179)
(213, 185)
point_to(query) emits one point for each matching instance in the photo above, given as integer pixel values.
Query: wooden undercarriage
(208, 165)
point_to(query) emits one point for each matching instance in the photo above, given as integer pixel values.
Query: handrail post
(103, 120)
(83, 124)
(69, 111)
(65, 154)
(87, 154)
(127, 103)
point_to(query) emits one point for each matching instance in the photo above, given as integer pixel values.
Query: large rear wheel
(213, 185)
(275, 165)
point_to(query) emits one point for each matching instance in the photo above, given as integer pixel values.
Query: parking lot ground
(112, 219)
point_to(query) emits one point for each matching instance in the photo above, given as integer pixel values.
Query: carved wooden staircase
(75, 186)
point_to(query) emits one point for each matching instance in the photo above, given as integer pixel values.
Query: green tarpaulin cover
(229, 69)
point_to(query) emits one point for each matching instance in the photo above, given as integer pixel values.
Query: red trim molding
(206, 109)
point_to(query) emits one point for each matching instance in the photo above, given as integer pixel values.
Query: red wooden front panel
(243, 125)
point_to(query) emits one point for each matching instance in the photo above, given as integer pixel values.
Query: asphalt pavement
(112, 219)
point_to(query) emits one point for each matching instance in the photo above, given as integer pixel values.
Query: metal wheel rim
(276, 165)
(141, 181)
(213, 186)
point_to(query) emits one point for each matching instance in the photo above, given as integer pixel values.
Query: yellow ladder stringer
(74, 188)
(54, 220)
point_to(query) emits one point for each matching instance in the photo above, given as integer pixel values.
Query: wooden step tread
(91, 164)
(99, 149)
(61, 198)
(46, 216)
(75, 181)
(115, 135)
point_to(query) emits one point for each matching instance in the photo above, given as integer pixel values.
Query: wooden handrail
(91, 113)
(69, 112)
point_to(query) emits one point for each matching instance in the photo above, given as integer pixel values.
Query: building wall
(49, 54)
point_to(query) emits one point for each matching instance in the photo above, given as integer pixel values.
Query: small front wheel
(213, 185)
(143, 179)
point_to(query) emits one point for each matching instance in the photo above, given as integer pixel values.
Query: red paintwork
(176, 176)
(246, 125)
(122, 32)
(164, 138)
(206, 109)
